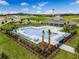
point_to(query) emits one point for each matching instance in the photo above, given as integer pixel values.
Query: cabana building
(59, 22)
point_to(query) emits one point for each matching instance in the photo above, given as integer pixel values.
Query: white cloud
(43, 4)
(3, 2)
(48, 12)
(39, 6)
(75, 3)
(13, 12)
(9, 12)
(24, 3)
(59, 12)
(34, 6)
(38, 11)
(25, 9)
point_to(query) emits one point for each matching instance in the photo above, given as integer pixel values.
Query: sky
(39, 6)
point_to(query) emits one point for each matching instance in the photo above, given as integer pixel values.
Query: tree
(77, 51)
(67, 27)
(2, 22)
(49, 39)
(6, 21)
(42, 45)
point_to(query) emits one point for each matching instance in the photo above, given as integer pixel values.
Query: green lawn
(72, 18)
(39, 18)
(73, 42)
(10, 25)
(65, 55)
(14, 50)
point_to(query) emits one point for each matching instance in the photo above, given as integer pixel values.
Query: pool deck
(54, 39)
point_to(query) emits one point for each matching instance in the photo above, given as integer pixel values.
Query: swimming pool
(34, 34)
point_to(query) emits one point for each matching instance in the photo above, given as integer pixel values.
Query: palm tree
(67, 27)
(49, 39)
(42, 45)
(77, 51)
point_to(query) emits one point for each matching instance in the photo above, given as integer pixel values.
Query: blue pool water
(37, 32)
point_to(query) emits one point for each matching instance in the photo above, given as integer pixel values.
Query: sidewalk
(67, 48)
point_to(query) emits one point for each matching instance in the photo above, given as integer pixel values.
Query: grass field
(10, 25)
(65, 55)
(75, 40)
(39, 18)
(15, 51)
(72, 18)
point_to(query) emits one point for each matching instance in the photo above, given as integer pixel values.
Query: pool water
(34, 34)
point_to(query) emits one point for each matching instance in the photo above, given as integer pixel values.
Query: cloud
(3, 2)
(25, 9)
(24, 3)
(48, 11)
(75, 3)
(39, 6)
(13, 12)
(43, 4)
(34, 6)
(38, 11)
(9, 12)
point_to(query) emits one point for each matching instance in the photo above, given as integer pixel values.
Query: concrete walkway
(67, 48)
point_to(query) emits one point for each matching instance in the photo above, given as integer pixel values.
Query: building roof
(52, 20)
(58, 19)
